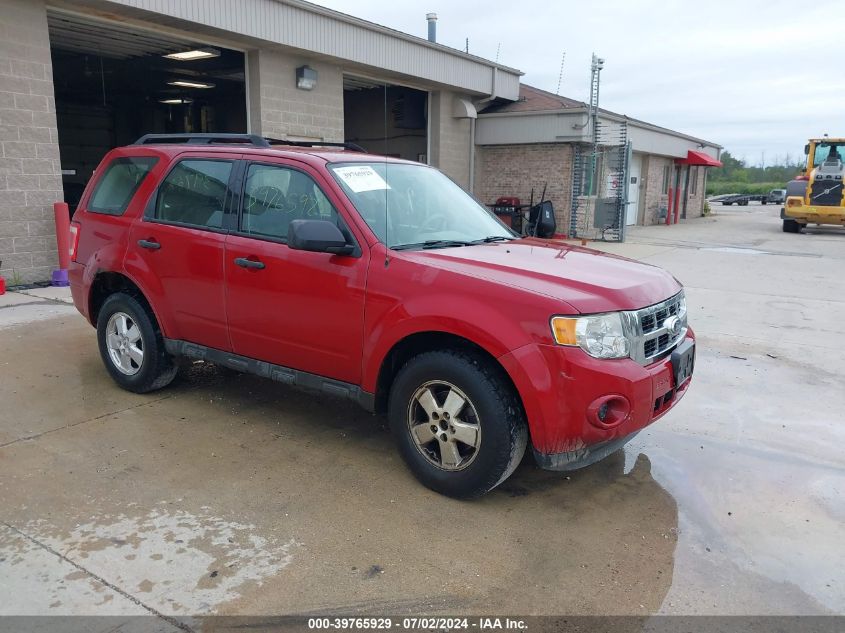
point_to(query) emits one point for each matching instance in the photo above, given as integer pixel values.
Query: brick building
(79, 77)
(532, 143)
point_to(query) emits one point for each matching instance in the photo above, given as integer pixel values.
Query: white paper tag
(361, 178)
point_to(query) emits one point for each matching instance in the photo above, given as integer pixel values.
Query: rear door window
(195, 193)
(119, 183)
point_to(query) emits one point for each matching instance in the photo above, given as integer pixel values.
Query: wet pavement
(230, 494)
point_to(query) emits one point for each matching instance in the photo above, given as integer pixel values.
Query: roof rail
(345, 145)
(202, 139)
(252, 139)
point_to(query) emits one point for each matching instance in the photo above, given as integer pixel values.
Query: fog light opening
(603, 411)
(608, 411)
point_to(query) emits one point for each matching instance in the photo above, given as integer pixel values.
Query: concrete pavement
(230, 494)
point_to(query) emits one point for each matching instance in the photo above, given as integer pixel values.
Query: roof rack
(251, 139)
(202, 139)
(345, 145)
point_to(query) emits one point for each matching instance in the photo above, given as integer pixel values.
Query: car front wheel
(457, 421)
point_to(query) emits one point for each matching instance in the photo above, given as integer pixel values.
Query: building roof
(309, 30)
(533, 99)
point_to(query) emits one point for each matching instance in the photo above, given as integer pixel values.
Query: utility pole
(595, 79)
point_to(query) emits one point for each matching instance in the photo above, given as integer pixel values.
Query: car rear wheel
(131, 345)
(457, 421)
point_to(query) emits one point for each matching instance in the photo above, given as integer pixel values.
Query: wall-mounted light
(194, 54)
(183, 83)
(306, 78)
(179, 101)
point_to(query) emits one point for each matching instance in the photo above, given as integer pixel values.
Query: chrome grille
(651, 338)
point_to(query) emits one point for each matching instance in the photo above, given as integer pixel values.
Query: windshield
(825, 151)
(414, 206)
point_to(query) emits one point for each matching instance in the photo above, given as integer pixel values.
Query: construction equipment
(816, 196)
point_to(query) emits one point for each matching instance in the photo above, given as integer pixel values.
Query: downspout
(472, 156)
(478, 105)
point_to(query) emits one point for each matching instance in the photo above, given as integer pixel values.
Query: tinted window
(273, 196)
(195, 193)
(119, 183)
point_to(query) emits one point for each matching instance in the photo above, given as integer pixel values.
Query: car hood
(588, 280)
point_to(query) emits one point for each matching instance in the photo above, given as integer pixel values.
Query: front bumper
(815, 214)
(558, 386)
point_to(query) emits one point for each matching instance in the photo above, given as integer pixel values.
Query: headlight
(600, 335)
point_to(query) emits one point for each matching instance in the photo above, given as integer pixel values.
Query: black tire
(791, 226)
(157, 368)
(503, 431)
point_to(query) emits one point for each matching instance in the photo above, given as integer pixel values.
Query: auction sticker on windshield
(361, 178)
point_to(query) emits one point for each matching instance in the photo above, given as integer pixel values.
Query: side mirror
(318, 236)
(807, 149)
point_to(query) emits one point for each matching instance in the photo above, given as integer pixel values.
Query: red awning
(698, 158)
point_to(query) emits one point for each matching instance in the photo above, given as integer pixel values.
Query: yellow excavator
(816, 196)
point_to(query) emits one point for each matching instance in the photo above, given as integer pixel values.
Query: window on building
(119, 183)
(693, 181)
(194, 193)
(273, 196)
(667, 178)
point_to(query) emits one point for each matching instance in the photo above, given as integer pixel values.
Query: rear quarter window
(118, 184)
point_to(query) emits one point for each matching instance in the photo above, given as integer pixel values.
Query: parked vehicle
(817, 196)
(777, 196)
(379, 280)
(740, 199)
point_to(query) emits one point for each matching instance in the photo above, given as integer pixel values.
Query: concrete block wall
(30, 171)
(450, 138)
(278, 109)
(512, 170)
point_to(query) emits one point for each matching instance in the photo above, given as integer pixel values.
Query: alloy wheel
(444, 425)
(125, 344)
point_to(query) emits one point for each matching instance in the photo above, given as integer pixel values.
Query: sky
(757, 77)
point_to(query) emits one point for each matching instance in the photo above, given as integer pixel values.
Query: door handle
(150, 244)
(243, 262)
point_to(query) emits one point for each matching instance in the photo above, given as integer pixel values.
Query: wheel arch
(105, 284)
(418, 342)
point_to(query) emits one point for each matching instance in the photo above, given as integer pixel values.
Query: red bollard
(62, 214)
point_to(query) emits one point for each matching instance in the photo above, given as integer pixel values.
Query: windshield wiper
(431, 244)
(493, 238)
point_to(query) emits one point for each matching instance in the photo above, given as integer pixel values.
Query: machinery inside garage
(114, 83)
(386, 119)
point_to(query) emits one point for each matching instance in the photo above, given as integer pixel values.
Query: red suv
(379, 280)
